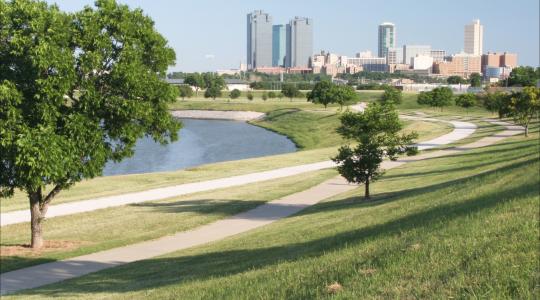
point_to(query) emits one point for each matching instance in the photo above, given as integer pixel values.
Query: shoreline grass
(461, 226)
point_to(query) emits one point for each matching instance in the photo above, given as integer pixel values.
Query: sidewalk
(461, 130)
(48, 273)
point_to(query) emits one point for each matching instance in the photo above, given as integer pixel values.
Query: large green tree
(494, 102)
(391, 95)
(475, 80)
(185, 91)
(290, 91)
(322, 93)
(454, 79)
(524, 76)
(377, 132)
(195, 80)
(76, 90)
(438, 97)
(344, 95)
(522, 106)
(466, 100)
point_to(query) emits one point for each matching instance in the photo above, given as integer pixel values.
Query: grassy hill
(462, 226)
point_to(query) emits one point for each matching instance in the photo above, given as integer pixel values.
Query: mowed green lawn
(311, 130)
(84, 233)
(463, 226)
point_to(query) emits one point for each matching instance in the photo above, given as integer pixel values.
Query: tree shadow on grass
(162, 272)
(476, 164)
(278, 113)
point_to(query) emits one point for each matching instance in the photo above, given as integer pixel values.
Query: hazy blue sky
(209, 35)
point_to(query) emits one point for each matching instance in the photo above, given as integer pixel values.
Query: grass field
(79, 234)
(462, 226)
(310, 129)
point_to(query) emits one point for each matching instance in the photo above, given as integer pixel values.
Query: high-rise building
(438, 55)
(394, 56)
(259, 40)
(474, 35)
(299, 42)
(279, 45)
(411, 51)
(387, 38)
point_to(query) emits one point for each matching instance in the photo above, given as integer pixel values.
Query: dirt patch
(334, 288)
(48, 246)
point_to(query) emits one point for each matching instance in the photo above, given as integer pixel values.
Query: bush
(249, 96)
(234, 94)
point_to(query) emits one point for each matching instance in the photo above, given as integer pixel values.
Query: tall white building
(474, 35)
(387, 38)
(259, 40)
(411, 51)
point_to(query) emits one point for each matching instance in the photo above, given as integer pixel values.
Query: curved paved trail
(48, 273)
(461, 130)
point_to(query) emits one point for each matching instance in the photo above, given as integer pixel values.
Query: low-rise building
(461, 64)
(498, 65)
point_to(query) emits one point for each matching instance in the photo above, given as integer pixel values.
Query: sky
(209, 35)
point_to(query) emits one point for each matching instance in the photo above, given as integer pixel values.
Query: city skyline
(210, 46)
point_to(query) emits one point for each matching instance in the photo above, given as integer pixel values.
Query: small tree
(475, 79)
(249, 96)
(234, 94)
(494, 102)
(438, 97)
(455, 80)
(195, 80)
(212, 92)
(322, 93)
(264, 96)
(185, 91)
(391, 95)
(376, 130)
(280, 95)
(424, 98)
(344, 95)
(290, 91)
(272, 95)
(523, 106)
(466, 101)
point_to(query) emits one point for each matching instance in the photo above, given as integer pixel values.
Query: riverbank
(218, 115)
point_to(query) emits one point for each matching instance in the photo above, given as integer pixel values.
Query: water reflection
(202, 142)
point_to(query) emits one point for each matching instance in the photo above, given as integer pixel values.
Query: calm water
(202, 142)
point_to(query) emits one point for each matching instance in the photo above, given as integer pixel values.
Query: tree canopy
(322, 93)
(466, 100)
(438, 97)
(185, 91)
(290, 90)
(76, 90)
(524, 76)
(475, 80)
(377, 132)
(391, 95)
(522, 106)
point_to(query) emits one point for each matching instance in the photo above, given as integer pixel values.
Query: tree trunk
(366, 194)
(35, 220)
(526, 130)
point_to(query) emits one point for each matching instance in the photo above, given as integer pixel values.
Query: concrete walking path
(461, 130)
(272, 211)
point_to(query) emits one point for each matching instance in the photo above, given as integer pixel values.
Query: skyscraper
(299, 42)
(259, 40)
(387, 38)
(279, 45)
(474, 35)
(411, 51)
